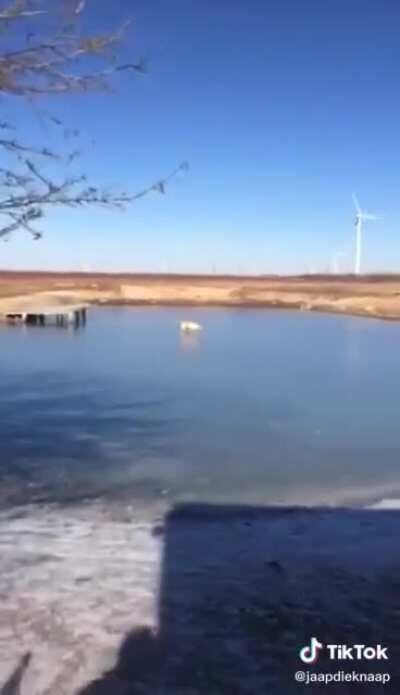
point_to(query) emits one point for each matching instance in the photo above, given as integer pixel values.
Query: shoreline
(373, 297)
(272, 306)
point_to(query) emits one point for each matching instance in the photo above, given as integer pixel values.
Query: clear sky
(282, 108)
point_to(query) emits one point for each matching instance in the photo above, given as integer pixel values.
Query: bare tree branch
(14, 146)
(44, 62)
(30, 205)
(51, 66)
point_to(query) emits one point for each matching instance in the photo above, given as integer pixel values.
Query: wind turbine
(360, 217)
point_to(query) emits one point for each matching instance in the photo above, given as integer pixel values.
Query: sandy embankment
(369, 296)
(232, 593)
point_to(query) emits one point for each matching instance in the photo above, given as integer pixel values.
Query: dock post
(74, 315)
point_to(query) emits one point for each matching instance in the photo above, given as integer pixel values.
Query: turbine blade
(356, 203)
(367, 216)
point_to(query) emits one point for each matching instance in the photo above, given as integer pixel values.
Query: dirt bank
(374, 296)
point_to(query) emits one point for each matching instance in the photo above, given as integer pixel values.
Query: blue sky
(282, 108)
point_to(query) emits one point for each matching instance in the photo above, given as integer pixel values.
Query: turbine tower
(360, 217)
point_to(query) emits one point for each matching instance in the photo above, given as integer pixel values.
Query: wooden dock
(36, 315)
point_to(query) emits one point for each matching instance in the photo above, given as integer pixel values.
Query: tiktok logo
(310, 654)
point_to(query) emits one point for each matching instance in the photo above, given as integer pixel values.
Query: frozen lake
(262, 407)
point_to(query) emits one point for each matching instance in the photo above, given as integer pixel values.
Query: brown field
(375, 296)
